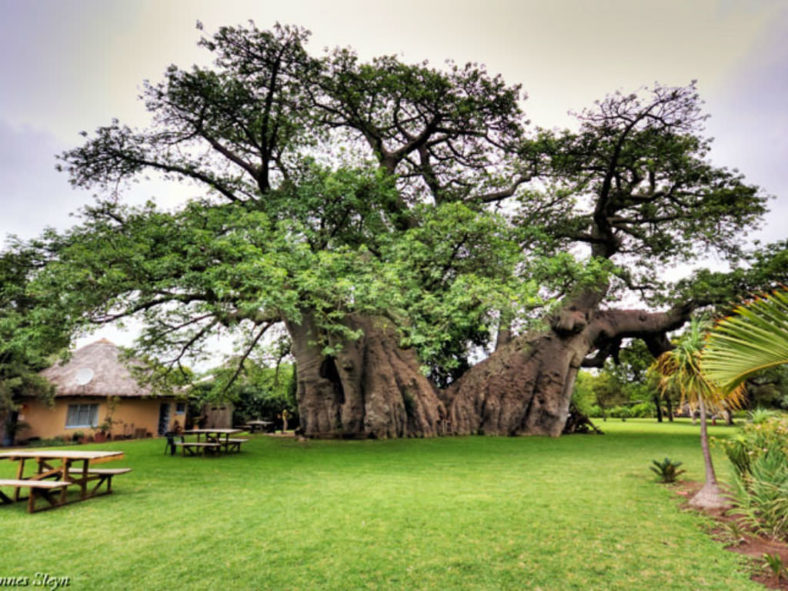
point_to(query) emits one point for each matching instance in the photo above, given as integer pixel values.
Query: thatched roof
(94, 370)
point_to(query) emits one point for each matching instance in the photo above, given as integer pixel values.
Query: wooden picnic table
(55, 471)
(216, 439)
(258, 425)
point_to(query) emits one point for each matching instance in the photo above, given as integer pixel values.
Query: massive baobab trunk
(524, 387)
(370, 388)
(373, 388)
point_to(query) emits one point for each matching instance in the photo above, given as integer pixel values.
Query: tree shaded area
(394, 218)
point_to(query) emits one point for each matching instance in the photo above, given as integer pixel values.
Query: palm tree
(680, 370)
(753, 338)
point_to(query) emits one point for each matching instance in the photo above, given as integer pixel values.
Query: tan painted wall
(130, 415)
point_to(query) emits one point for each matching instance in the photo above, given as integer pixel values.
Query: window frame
(74, 412)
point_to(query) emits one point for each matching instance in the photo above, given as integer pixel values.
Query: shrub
(619, 412)
(644, 410)
(55, 441)
(583, 396)
(759, 454)
(762, 415)
(667, 470)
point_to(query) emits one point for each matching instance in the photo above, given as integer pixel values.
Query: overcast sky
(72, 65)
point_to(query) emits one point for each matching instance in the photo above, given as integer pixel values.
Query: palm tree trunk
(710, 496)
(711, 477)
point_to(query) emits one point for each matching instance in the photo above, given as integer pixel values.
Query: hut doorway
(164, 417)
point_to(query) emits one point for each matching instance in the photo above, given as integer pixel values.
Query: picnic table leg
(64, 476)
(19, 476)
(84, 483)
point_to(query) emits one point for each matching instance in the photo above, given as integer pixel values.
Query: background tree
(259, 392)
(768, 389)
(33, 328)
(622, 386)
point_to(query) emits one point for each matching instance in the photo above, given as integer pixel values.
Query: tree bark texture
(374, 388)
(525, 387)
(370, 388)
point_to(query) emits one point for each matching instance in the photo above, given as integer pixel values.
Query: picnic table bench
(216, 440)
(234, 444)
(253, 426)
(102, 475)
(55, 473)
(195, 448)
(38, 489)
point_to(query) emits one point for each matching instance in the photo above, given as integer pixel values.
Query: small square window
(82, 416)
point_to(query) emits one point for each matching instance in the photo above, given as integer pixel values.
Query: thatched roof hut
(95, 370)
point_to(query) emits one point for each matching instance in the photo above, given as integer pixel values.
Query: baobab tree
(358, 203)
(635, 189)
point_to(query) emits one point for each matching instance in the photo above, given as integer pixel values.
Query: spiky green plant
(753, 338)
(667, 470)
(774, 563)
(762, 415)
(735, 532)
(760, 458)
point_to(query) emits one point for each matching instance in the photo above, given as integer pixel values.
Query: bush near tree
(759, 454)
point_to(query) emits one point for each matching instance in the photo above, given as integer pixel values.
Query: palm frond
(681, 371)
(753, 338)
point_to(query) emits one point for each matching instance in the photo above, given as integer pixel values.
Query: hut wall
(131, 416)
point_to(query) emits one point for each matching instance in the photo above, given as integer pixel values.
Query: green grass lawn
(579, 512)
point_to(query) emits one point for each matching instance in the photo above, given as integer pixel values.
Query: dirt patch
(740, 539)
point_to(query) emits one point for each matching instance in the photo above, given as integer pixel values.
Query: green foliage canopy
(34, 325)
(333, 186)
(336, 186)
(634, 185)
